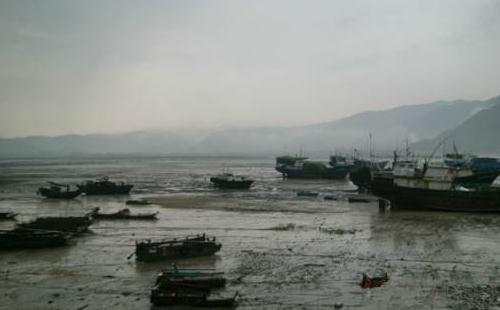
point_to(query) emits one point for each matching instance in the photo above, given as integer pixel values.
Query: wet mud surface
(279, 251)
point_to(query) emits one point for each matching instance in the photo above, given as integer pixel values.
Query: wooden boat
(104, 186)
(200, 245)
(72, 224)
(29, 238)
(371, 282)
(123, 214)
(8, 215)
(307, 194)
(138, 202)
(160, 297)
(192, 279)
(230, 181)
(55, 191)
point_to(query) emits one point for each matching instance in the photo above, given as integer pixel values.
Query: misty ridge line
(422, 125)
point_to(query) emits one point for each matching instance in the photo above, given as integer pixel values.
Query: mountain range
(472, 124)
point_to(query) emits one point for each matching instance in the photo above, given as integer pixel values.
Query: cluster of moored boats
(172, 287)
(465, 185)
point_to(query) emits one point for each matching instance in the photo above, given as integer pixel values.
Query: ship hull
(443, 200)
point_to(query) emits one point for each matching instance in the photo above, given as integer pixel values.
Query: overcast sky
(118, 66)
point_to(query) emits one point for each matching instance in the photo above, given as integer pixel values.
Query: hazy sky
(117, 66)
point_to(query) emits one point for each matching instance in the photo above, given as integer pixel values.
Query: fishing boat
(8, 215)
(29, 238)
(192, 246)
(104, 186)
(437, 187)
(164, 297)
(230, 181)
(58, 191)
(302, 167)
(123, 214)
(72, 224)
(140, 202)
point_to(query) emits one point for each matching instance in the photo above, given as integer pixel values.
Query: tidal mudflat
(279, 251)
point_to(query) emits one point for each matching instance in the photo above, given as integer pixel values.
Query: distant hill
(479, 134)
(389, 129)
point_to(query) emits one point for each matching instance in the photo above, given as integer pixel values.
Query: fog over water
(119, 66)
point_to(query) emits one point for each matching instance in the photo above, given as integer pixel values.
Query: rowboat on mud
(372, 282)
(190, 279)
(123, 214)
(199, 245)
(29, 238)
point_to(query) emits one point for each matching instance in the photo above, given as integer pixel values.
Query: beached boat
(72, 224)
(230, 181)
(8, 215)
(56, 191)
(200, 245)
(28, 238)
(190, 279)
(372, 282)
(123, 214)
(104, 186)
(302, 167)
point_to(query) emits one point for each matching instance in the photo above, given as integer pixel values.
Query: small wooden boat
(307, 194)
(29, 238)
(190, 279)
(138, 202)
(371, 282)
(192, 246)
(8, 215)
(123, 214)
(55, 191)
(161, 297)
(72, 224)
